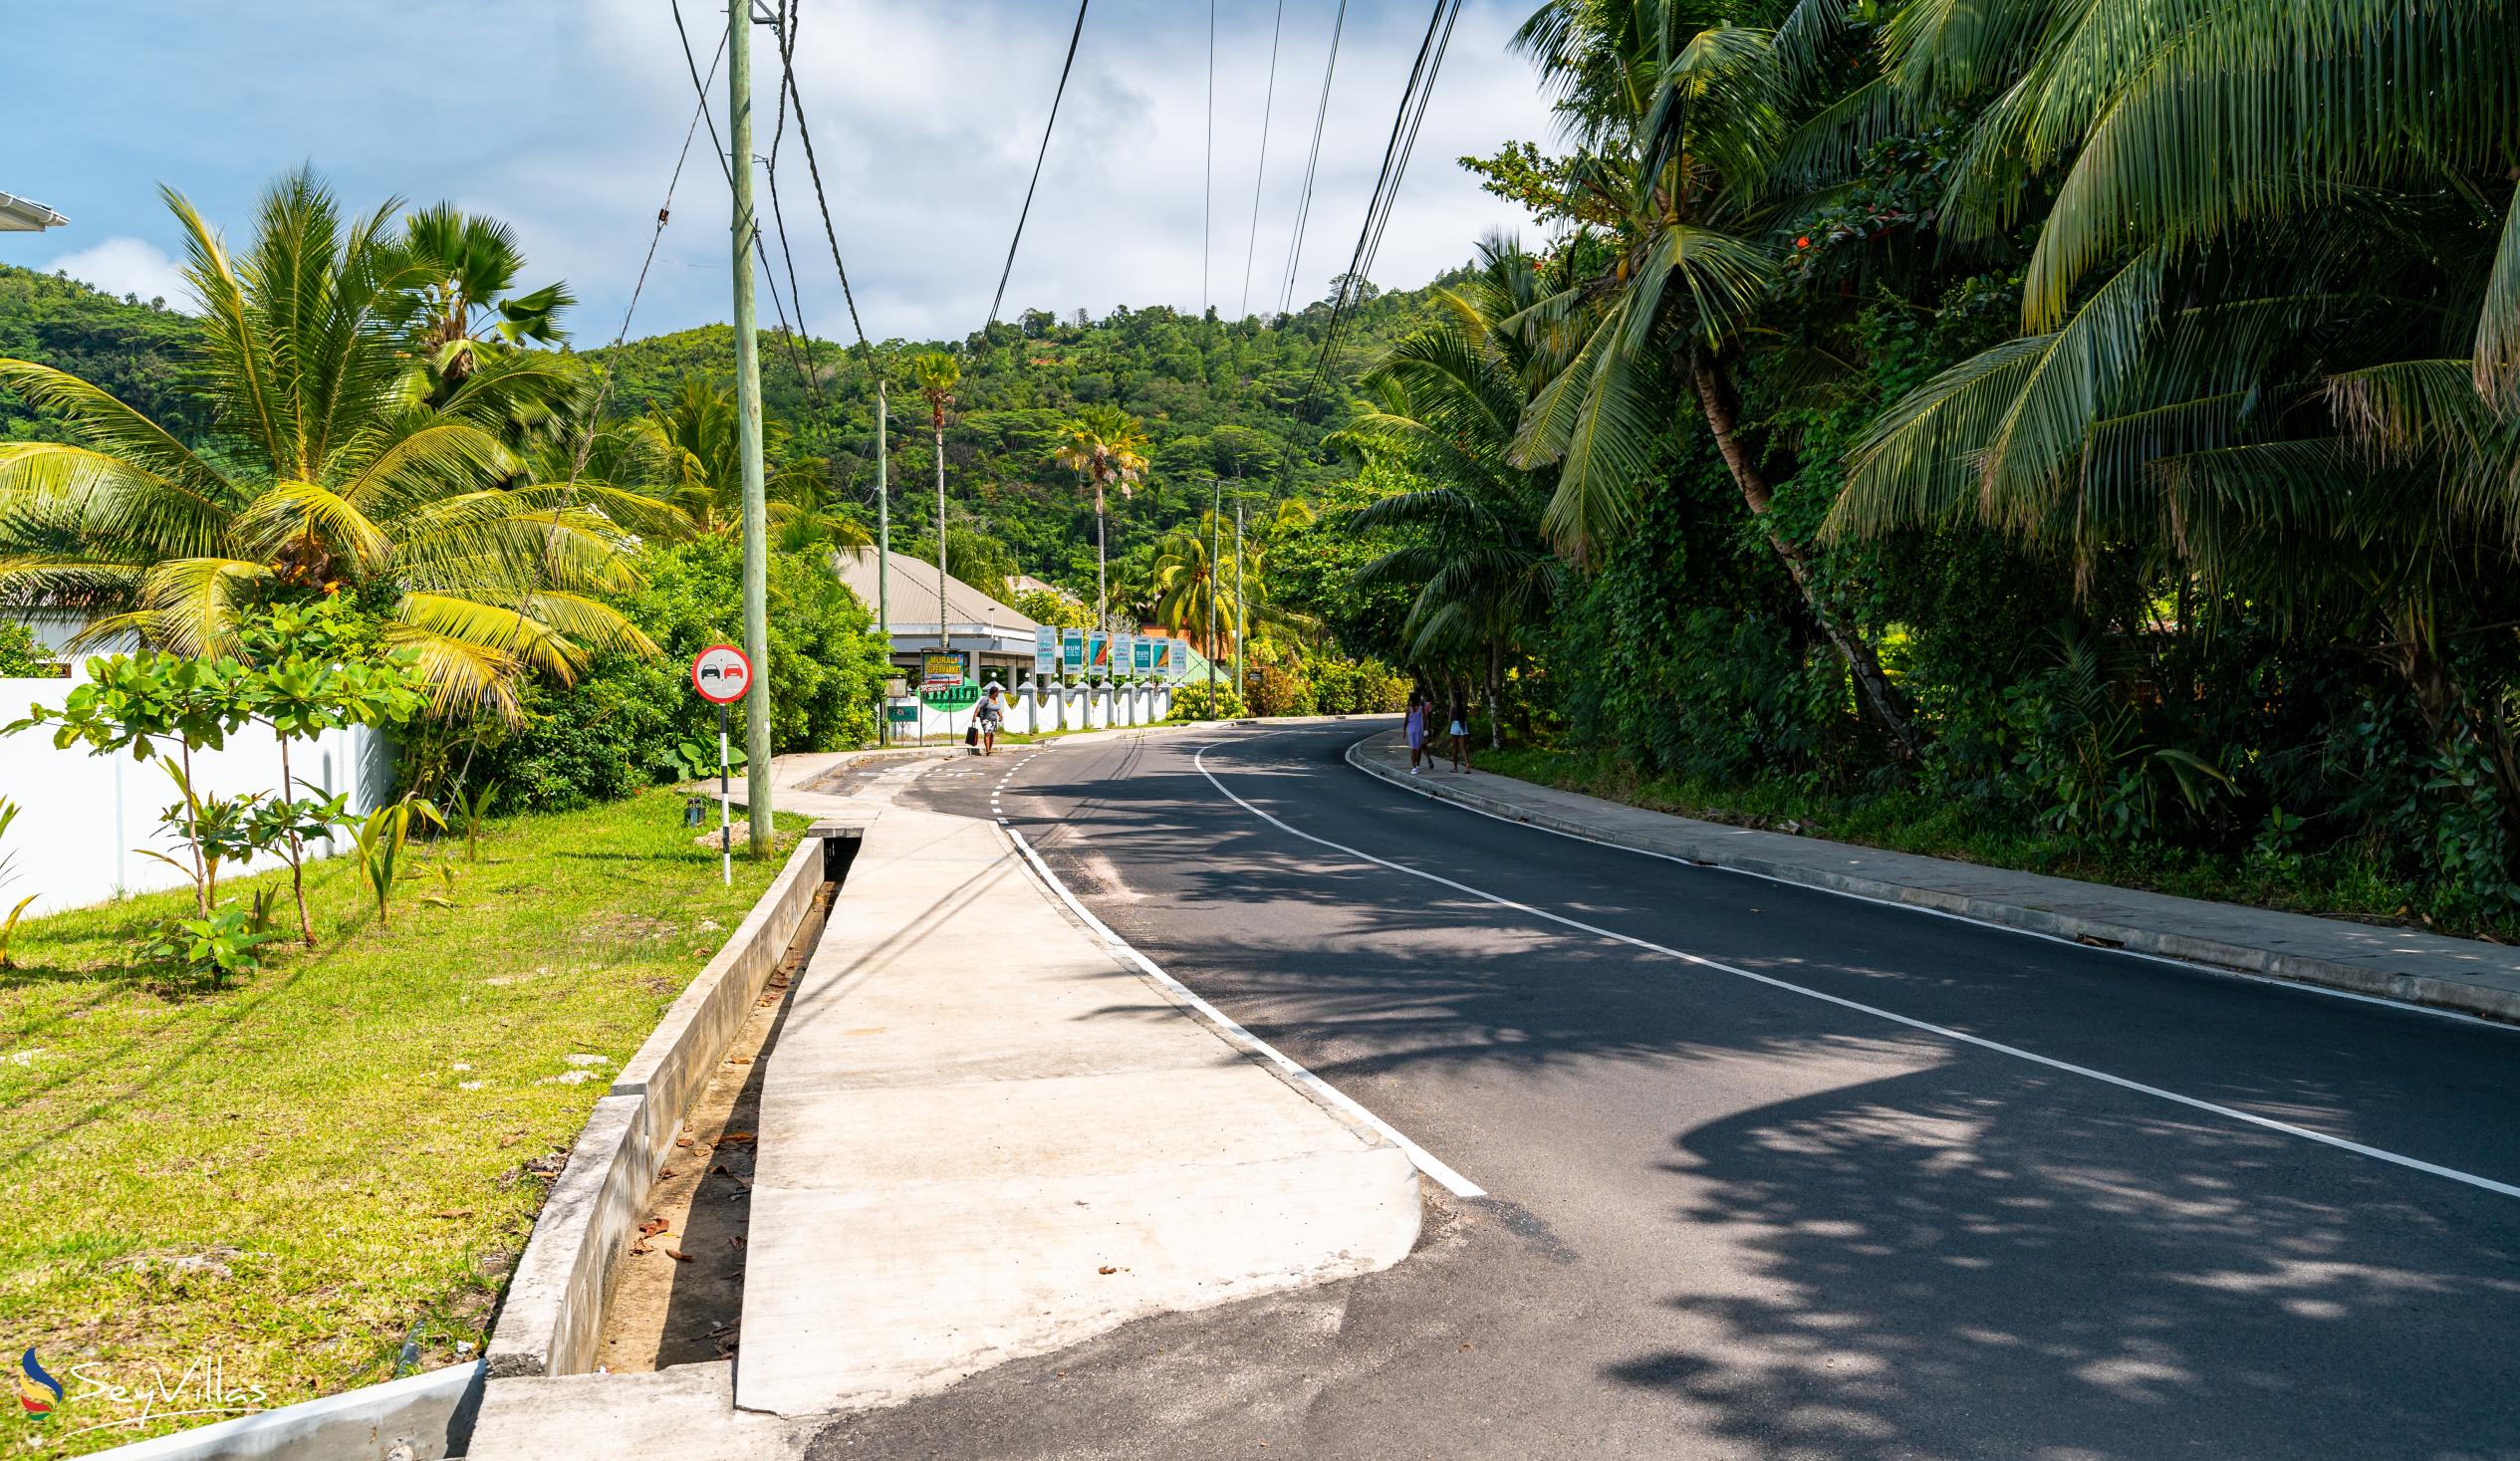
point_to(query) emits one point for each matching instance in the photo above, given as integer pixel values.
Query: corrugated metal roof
(914, 595)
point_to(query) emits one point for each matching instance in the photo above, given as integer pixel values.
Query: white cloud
(127, 266)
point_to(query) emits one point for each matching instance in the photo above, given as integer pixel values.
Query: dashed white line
(1199, 758)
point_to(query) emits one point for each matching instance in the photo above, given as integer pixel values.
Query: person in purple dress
(1417, 708)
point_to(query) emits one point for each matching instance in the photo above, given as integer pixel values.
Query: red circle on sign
(721, 674)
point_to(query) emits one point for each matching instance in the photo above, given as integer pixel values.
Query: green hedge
(614, 730)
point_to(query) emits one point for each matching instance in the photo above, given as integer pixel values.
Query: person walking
(1460, 732)
(1418, 710)
(990, 717)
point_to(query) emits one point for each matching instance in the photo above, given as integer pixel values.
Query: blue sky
(563, 117)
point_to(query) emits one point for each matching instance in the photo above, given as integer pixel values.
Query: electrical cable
(664, 211)
(805, 133)
(1251, 240)
(1312, 167)
(1065, 67)
(1414, 96)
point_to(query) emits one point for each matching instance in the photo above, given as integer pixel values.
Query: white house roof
(25, 216)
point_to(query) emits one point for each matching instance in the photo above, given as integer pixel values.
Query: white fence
(1030, 711)
(86, 818)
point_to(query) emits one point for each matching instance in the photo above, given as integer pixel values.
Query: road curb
(2415, 989)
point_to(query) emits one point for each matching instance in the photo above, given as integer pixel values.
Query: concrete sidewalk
(2464, 975)
(981, 1137)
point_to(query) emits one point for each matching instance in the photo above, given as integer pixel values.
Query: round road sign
(721, 674)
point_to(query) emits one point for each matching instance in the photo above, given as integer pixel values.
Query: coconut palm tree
(2270, 324)
(936, 373)
(1683, 122)
(1109, 447)
(1447, 401)
(690, 456)
(324, 472)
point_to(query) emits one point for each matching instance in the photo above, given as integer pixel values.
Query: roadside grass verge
(324, 1171)
(2334, 884)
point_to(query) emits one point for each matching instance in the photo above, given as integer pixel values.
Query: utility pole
(1242, 604)
(748, 428)
(1216, 504)
(944, 636)
(883, 552)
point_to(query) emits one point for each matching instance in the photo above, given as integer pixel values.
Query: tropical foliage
(335, 457)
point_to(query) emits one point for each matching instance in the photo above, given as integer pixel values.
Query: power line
(779, 218)
(1414, 96)
(1312, 166)
(1064, 67)
(664, 212)
(1251, 241)
(759, 251)
(814, 169)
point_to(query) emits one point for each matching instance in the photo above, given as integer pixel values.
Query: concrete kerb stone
(2458, 996)
(553, 1316)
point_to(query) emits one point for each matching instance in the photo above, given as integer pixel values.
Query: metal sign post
(722, 675)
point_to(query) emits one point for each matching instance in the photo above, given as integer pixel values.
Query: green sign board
(902, 714)
(955, 697)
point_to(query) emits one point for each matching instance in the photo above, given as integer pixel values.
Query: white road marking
(1199, 758)
(2191, 965)
(1418, 1156)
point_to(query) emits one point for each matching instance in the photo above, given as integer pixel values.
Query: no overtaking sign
(721, 674)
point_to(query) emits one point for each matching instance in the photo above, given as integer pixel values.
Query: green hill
(1232, 400)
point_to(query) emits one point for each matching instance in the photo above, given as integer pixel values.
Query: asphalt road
(1728, 1218)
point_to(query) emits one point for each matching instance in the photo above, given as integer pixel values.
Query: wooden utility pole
(883, 552)
(748, 428)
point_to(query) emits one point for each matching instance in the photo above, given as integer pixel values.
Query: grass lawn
(2338, 884)
(299, 1174)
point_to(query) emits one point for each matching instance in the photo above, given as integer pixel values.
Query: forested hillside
(1234, 401)
(127, 346)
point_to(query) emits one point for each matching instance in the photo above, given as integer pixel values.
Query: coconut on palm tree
(1109, 447)
(324, 471)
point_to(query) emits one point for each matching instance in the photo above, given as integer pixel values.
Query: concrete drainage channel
(552, 1320)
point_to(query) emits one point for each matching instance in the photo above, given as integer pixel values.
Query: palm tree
(1448, 400)
(2268, 325)
(1684, 123)
(1109, 447)
(692, 460)
(452, 273)
(936, 374)
(1192, 590)
(321, 474)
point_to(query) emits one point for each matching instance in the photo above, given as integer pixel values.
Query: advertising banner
(1098, 655)
(1074, 643)
(1044, 652)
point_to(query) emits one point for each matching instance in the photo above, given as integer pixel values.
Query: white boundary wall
(1030, 713)
(85, 816)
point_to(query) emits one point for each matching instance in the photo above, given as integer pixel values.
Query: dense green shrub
(614, 730)
(1356, 687)
(22, 657)
(1190, 701)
